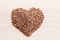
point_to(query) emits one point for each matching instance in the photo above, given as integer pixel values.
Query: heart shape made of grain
(27, 21)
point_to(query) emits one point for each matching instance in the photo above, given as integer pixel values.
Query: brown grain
(27, 21)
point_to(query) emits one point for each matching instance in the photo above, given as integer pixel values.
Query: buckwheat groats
(27, 21)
